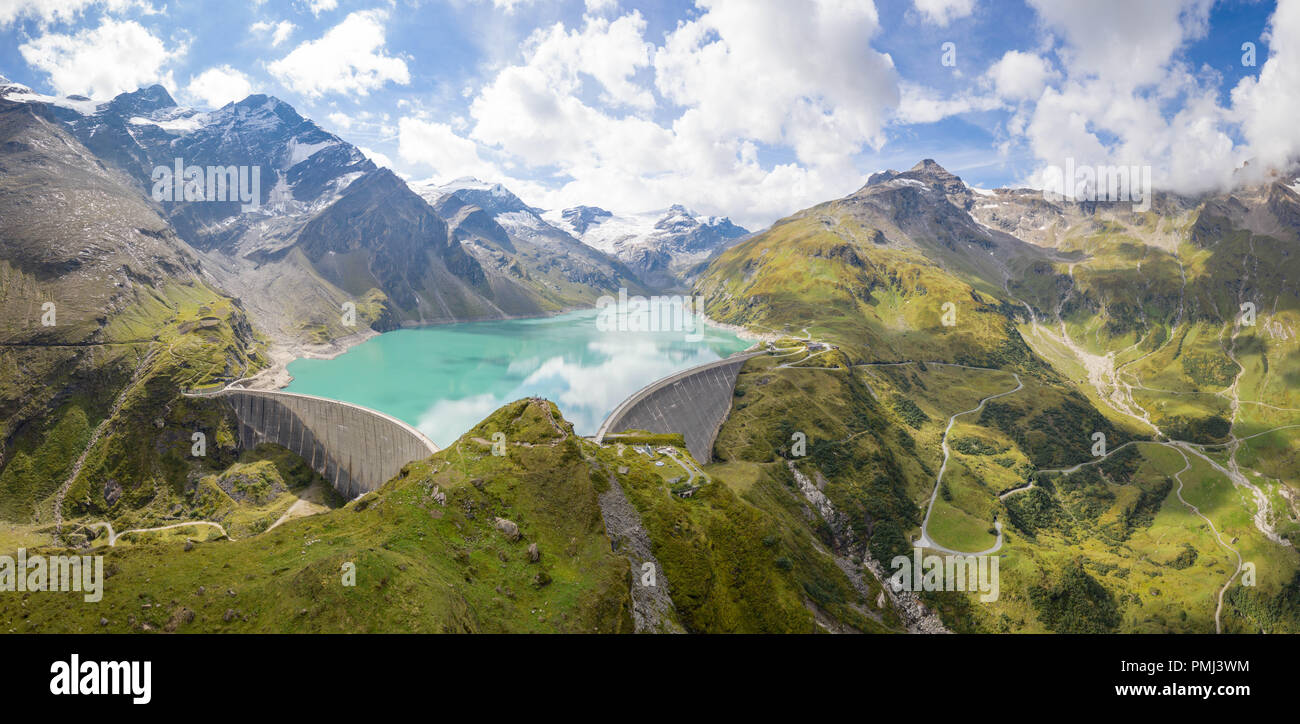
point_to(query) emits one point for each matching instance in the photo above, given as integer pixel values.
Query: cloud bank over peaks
(621, 122)
(115, 57)
(1123, 92)
(750, 109)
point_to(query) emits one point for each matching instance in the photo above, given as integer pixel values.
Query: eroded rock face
(853, 556)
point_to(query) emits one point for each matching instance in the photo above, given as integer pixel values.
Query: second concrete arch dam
(358, 449)
(693, 402)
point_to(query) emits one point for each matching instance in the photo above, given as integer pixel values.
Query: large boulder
(508, 527)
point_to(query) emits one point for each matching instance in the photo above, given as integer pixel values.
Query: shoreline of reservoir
(276, 376)
(282, 354)
(446, 378)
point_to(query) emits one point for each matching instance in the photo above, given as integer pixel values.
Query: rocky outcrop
(916, 616)
(508, 527)
(652, 604)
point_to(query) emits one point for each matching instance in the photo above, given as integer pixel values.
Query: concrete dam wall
(693, 402)
(356, 449)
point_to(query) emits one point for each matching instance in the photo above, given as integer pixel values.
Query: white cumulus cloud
(438, 147)
(348, 59)
(279, 32)
(1020, 76)
(598, 114)
(783, 73)
(100, 62)
(1149, 109)
(49, 11)
(1127, 43)
(942, 12)
(321, 6)
(1269, 105)
(218, 86)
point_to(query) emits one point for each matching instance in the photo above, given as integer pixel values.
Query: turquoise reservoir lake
(446, 379)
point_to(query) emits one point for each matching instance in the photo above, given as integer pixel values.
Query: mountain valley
(950, 355)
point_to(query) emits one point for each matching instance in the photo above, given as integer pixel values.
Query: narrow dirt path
(311, 502)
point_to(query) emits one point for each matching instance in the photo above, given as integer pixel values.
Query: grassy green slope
(880, 303)
(429, 565)
(420, 565)
(1112, 542)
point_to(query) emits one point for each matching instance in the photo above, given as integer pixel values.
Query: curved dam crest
(355, 448)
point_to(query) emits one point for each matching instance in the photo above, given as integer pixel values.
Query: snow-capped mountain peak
(19, 93)
(657, 244)
(581, 218)
(472, 183)
(491, 197)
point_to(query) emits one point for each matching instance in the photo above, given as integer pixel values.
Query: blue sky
(747, 108)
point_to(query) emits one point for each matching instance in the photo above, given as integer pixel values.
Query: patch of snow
(260, 119)
(606, 233)
(23, 94)
(521, 223)
(299, 152)
(180, 124)
(982, 192)
(469, 183)
(344, 181)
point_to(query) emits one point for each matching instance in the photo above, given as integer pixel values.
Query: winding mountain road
(112, 537)
(1218, 537)
(925, 541)
(1114, 391)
